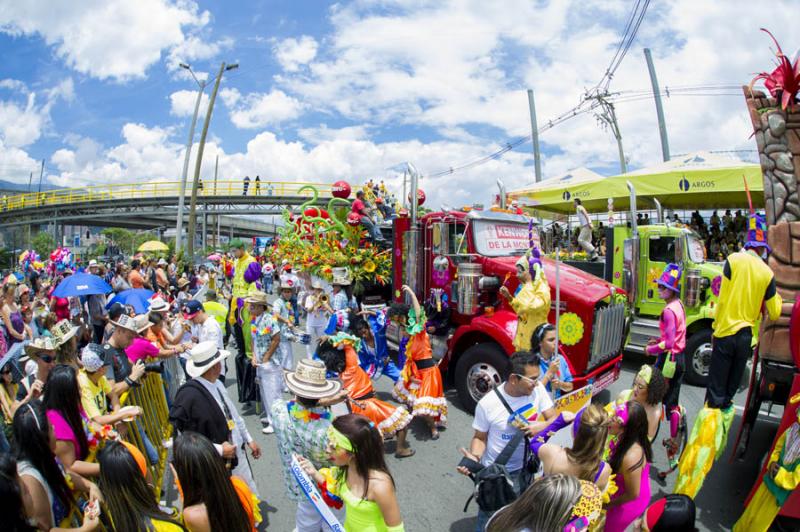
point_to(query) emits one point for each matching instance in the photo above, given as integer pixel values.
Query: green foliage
(43, 242)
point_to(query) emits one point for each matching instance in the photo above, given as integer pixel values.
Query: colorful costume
(426, 397)
(389, 419)
(669, 350)
(746, 282)
(531, 302)
(361, 515)
(774, 491)
(375, 360)
(619, 517)
(245, 272)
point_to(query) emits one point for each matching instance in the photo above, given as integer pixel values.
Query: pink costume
(619, 517)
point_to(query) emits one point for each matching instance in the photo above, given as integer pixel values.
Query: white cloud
(323, 133)
(182, 103)
(258, 110)
(24, 117)
(292, 53)
(111, 39)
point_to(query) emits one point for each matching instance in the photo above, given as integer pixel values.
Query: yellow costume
(532, 305)
(242, 289)
(774, 491)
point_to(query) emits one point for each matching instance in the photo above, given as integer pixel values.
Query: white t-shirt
(493, 418)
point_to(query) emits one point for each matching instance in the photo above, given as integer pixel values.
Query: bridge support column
(205, 227)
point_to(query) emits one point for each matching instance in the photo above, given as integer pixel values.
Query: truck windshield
(697, 249)
(500, 239)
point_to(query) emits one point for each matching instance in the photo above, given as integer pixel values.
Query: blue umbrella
(81, 284)
(138, 298)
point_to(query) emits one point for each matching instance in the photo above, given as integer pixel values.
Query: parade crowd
(76, 453)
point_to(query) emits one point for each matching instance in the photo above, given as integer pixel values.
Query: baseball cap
(191, 308)
(92, 357)
(116, 310)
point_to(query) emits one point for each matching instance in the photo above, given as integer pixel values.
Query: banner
(575, 400)
(310, 489)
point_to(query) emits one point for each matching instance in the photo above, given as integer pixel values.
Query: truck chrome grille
(609, 325)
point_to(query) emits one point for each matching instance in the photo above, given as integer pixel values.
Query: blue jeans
(483, 517)
(268, 283)
(150, 450)
(373, 229)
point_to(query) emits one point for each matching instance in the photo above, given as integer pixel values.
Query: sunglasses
(529, 380)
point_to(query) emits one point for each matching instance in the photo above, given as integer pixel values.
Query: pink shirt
(140, 349)
(64, 432)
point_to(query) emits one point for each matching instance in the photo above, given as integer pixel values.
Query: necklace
(305, 415)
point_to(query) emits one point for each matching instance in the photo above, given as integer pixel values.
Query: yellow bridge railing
(228, 188)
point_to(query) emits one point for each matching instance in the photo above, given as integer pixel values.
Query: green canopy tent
(695, 181)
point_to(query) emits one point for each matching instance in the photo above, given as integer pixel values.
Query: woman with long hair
(12, 317)
(584, 459)
(49, 499)
(360, 476)
(212, 499)
(649, 389)
(630, 462)
(130, 499)
(70, 424)
(556, 375)
(551, 503)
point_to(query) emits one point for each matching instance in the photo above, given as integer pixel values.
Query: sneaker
(267, 430)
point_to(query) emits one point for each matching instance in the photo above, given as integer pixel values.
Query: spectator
(521, 392)
(245, 185)
(557, 378)
(362, 211)
(135, 279)
(258, 185)
(96, 392)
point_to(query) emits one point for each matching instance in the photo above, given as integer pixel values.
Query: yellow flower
(570, 329)
(369, 266)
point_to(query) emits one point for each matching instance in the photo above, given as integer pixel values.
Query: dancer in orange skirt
(338, 352)
(420, 385)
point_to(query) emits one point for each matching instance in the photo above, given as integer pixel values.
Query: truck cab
(467, 255)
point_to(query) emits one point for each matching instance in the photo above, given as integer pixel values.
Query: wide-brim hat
(126, 322)
(142, 322)
(182, 282)
(40, 345)
(309, 380)
(63, 331)
(257, 298)
(158, 304)
(203, 356)
(317, 284)
(287, 284)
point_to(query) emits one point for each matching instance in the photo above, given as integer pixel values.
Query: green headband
(338, 439)
(646, 373)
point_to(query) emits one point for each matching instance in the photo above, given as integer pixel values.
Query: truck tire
(698, 357)
(478, 371)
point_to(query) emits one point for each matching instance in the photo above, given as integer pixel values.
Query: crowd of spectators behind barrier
(721, 235)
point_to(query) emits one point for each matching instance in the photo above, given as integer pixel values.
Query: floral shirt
(303, 431)
(264, 328)
(284, 310)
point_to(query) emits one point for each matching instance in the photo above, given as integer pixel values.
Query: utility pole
(537, 158)
(199, 163)
(608, 118)
(30, 182)
(182, 189)
(662, 126)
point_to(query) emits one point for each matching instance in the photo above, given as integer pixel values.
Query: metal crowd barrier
(151, 397)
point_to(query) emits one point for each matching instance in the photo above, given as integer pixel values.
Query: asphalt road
(432, 494)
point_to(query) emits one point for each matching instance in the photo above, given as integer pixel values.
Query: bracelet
(132, 383)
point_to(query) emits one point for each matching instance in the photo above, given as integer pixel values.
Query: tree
(43, 243)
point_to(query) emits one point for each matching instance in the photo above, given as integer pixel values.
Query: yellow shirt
(216, 310)
(93, 396)
(532, 305)
(746, 282)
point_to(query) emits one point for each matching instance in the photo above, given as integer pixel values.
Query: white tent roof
(699, 160)
(576, 175)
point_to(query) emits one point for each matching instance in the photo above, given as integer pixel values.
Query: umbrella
(81, 284)
(215, 256)
(138, 298)
(154, 245)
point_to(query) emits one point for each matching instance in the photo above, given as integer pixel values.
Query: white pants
(270, 382)
(307, 518)
(315, 331)
(585, 239)
(286, 354)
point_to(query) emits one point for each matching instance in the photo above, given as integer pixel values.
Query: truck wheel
(479, 370)
(698, 357)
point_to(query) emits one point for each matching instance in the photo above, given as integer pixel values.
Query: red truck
(476, 251)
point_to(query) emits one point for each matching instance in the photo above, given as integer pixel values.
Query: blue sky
(347, 90)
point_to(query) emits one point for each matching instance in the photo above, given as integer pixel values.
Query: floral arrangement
(317, 244)
(783, 83)
(569, 255)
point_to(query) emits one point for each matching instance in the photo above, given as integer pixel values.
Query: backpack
(494, 487)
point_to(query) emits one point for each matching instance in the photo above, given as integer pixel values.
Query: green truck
(635, 258)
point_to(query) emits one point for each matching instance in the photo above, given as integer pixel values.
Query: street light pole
(193, 205)
(184, 174)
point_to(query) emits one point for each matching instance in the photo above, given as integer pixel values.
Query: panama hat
(287, 284)
(142, 323)
(203, 356)
(308, 380)
(158, 304)
(257, 298)
(63, 331)
(182, 282)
